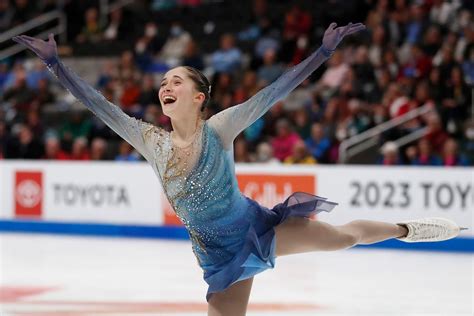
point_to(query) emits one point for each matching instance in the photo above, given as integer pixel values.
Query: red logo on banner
(269, 190)
(169, 213)
(28, 193)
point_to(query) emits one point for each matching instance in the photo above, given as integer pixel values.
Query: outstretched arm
(139, 134)
(230, 122)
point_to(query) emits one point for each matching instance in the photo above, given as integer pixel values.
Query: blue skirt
(258, 251)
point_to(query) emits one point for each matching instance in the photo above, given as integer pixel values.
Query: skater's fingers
(21, 41)
(356, 29)
(332, 26)
(51, 37)
(28, 38)
(345, 29)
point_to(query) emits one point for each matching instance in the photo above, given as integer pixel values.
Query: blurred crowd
(414, 54)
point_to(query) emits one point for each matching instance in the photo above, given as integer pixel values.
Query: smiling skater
(233, 237)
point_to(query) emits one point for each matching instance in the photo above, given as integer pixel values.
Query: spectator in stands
(222, 86)
(148, 46)
(228, 58)
(318, 144)
(148, 93)
(302, 122)
(47, 6)
(445, 61)
(98, 149)
(116, 29)
(79, 149)
(19, 95)
(127, 67)
(300, 155)
(3, 73)
(24, 145)
(467, 144)
(271, 118)
(174, 48)
(395, 100)
(335, 73)
(24, 12)
(375, 51)
(432, 40)
(33, 121)
(76, 126)
(53, 150)
(192, 56)
(436, 134)
(130, 96)
(285, 140)
(390, 155)
(3, 139)
(359, 120)
(297, 24)
(42, 95)
(416, 23)
(241, 153)
(264, 154)
(126, 153)
(107, 74)
(468, 64)
(253, 133)
(435, 84)
(456, 98)
(363, 69)
(418, 65)
(451, 155)
(6, 15)
(92, 32)
(425, 156)
(248, 87)
(39, 72)
(271, 69)
(259, 22)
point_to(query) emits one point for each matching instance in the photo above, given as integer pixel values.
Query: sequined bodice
(200, 184)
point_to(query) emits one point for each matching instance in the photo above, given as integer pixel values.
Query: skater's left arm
(141, 135)
(230, 122)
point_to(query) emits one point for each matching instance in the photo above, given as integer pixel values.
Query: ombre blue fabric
(232, 236)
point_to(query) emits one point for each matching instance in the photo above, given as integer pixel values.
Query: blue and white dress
(232, 236)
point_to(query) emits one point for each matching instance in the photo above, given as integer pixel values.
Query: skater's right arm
(143, 136)
(230, 122)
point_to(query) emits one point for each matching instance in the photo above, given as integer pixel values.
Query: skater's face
(178, 94)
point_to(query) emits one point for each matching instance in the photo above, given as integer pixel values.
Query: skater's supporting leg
(233, 301)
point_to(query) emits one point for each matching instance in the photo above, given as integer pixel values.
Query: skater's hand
(334, 35)
(47, 51)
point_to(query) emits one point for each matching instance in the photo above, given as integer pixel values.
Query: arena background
(385, 127)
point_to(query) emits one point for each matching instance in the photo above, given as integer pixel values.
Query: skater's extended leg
(233, 301)
(298, 235)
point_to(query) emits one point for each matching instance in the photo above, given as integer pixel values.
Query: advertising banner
(81, 192)
(130, 193)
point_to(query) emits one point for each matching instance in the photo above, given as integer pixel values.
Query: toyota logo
(28, 193)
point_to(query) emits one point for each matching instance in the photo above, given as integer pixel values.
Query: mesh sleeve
(142, 136)
(230, 122)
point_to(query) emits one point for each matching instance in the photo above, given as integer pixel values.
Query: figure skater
(232, 236)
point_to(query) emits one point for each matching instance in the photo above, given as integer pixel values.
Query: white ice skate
(430, 229)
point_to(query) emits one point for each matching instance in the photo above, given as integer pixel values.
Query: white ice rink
(82, 276)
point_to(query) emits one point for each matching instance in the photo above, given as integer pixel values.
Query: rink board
(126, 199)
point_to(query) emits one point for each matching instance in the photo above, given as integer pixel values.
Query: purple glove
(47, 51)
(333, 36)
